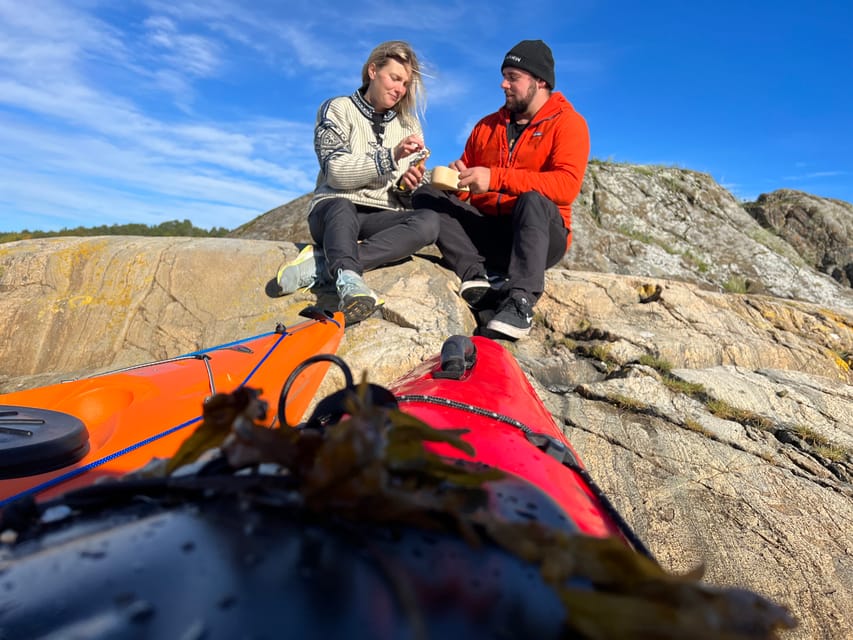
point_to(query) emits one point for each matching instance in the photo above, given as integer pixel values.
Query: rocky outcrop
(676, 223)
(288, 222)
(665, 222)
(820, 229)
(717, 422)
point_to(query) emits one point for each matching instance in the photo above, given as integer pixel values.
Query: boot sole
(481, 298)
(358, 309)
(509, 330)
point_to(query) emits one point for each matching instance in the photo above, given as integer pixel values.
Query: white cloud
(191, 53)
(816, 174)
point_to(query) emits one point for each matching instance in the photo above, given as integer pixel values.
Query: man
(522, 167)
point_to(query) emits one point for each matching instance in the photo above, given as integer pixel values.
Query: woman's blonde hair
(414, 102)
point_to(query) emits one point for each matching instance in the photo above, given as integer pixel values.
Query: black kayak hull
(225, 568)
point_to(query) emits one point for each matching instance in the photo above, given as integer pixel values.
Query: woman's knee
(335, 217)
(426, 222)
(337, 208)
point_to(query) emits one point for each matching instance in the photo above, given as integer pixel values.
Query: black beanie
(532, 56)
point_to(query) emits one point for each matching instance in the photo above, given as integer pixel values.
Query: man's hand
(458, 165)
(476, 178)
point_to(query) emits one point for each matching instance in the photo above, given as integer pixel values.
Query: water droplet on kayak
(55, 514)
(8, 536)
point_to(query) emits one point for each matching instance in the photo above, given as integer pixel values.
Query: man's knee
(533, 200)
(426, 197)
(532, 207)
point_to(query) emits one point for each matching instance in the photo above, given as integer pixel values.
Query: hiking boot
(514, 317)
(305, 271)
(474, 291)
(357, 301)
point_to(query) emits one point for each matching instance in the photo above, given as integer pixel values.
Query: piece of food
(446, 179)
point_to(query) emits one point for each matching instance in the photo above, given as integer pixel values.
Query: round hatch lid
(34, 441)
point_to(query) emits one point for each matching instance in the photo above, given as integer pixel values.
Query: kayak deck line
(551, 446)
(235, 345)
(463, 406)
(79, 471)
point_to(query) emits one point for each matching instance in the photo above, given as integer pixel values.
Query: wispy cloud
(816, 174)
(192, 53)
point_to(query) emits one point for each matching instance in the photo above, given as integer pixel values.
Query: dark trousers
(362, 238)
(521, 245)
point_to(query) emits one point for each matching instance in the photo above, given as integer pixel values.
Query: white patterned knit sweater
(354, 162)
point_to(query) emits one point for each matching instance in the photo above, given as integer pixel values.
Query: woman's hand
(408, 146)
(411, 179)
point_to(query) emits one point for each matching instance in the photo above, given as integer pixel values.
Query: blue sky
(147, 111)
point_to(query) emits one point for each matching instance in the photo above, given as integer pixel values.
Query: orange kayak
(67, 435)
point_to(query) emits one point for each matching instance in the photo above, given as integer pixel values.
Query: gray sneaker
(357, 300)
(305, 271)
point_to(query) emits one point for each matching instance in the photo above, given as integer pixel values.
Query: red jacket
(550, 157)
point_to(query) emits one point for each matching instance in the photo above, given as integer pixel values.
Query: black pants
(521, 245)
(337, 225)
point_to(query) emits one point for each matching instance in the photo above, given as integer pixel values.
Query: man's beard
(521, 105)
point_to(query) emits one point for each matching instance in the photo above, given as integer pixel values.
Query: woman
(366, 145)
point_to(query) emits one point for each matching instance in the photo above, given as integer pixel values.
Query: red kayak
(62, 436)
(476, 384)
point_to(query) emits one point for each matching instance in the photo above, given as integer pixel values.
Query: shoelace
(521, 306)
(315, 276)
(349, 286)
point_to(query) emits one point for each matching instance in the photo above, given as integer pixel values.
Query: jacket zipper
(515, 146)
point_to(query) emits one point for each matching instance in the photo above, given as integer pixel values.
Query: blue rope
(73, 473)
(228, 345)
(68, 475)
(264, 359)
